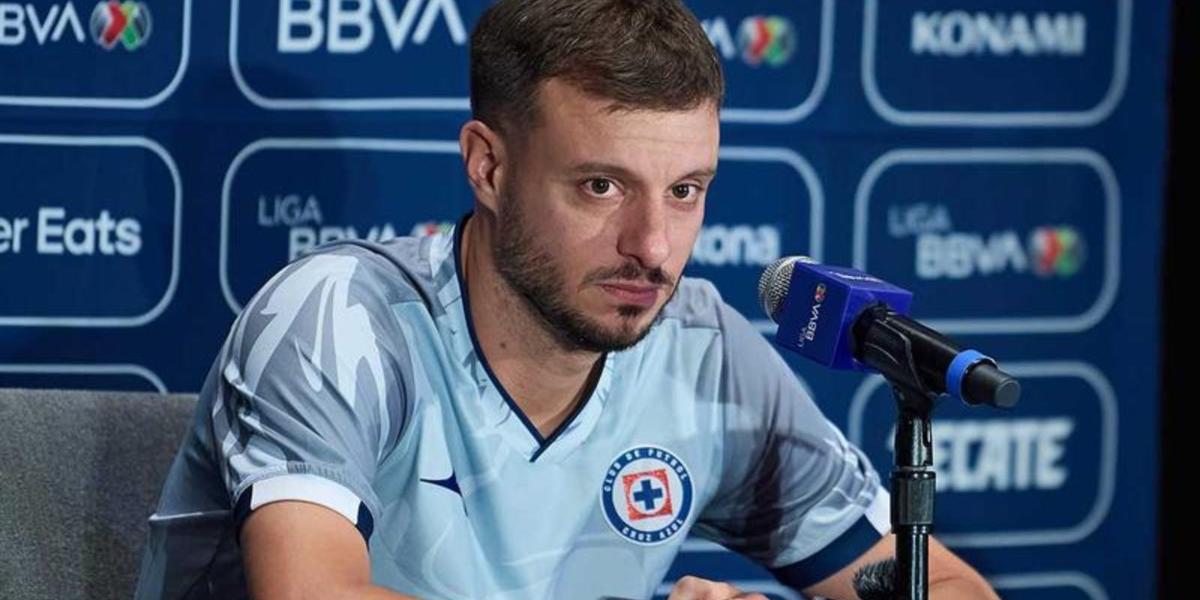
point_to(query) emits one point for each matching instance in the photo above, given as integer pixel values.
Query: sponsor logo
(960, 33)
(429, 228)
(945, 253)
(53, 233)
(810, 330)
(301, 215)
(21, 23)
(351, 26)
(769, 40)
(1001, 455)
(736, 246)
(126, 23)
(111, 23)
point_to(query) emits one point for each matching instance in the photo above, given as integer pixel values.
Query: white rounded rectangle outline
(307, 144)
(783, 116)
(1036, 156)
(1107, 400)
(124, 103)
(812, 184)
(1016, 581)
(734, 153)
(1083, 118)
(117, 142)
(86, 369)
(761, 586)
(462, 103)
(1056, 579)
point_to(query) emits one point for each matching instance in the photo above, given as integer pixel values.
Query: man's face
(599, 212)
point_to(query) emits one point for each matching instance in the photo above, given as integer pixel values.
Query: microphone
(876, 581)
(847, 319)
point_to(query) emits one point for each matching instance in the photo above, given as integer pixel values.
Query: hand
(695, 588)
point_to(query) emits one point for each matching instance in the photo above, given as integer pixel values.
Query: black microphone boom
(937, 363)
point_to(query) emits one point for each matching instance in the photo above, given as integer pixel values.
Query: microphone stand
(889, 350)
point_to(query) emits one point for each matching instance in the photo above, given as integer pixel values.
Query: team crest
(647, 495)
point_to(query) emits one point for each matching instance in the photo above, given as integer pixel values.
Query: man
(537, 406)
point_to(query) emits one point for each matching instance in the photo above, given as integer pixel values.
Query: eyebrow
(601, 167)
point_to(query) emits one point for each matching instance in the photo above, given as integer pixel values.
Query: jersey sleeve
(794, 495)
(314, 387)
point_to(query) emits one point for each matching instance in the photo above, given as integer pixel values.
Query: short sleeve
(314, 387)
(794, 493)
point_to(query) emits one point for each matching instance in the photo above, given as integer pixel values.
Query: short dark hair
(641, 54)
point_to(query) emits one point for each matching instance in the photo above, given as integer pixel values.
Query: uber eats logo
(55, 232)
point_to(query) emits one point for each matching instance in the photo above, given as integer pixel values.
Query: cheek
(683, 238)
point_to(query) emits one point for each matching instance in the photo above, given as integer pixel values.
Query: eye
(600, 187)
(685, 191)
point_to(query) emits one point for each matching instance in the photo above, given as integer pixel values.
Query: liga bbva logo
(110, 54)
(953, 225)
(111, 22)
(285, 197)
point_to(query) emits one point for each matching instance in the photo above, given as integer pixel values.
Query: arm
(311, 390)
(325, 557)
(949, 577)
(796, 496)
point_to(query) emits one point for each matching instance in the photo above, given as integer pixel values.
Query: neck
(546, 380)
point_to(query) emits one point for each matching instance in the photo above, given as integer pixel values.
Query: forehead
(574, 127)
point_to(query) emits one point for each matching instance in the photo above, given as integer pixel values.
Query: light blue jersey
(353, 380)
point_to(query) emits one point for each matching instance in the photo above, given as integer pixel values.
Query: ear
(484, 158)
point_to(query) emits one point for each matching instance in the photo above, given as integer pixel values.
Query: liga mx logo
(127, 23)
(1056, 251)
(770, 40)
(647, 495)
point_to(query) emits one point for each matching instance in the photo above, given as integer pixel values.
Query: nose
(644, 235)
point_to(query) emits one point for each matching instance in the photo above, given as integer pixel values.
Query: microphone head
(876, 581)
(774, 282)
(817, 305)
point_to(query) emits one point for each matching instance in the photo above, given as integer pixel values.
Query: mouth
(631, 293)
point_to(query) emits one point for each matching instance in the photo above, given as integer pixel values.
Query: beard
(533, 272)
